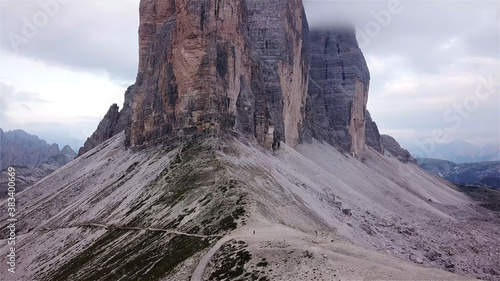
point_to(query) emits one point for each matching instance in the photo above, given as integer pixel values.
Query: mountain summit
(244, 68)
(244, 151)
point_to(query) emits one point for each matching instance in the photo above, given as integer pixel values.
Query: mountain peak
(210, 67)
(252, 76)
(67, 150)
(249, 68)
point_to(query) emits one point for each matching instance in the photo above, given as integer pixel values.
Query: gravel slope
(189, 212)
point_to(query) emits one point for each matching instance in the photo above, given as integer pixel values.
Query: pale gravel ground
(294, 255)
(295, 205)
(397, 209)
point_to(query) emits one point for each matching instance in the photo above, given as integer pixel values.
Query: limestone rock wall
(105, 130)
(372, 135)
(338, 90)
(280, 37)
(246, 67)
(212, 66)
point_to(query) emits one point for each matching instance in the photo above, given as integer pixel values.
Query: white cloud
(34, 92)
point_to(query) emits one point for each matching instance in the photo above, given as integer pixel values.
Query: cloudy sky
(434, 65)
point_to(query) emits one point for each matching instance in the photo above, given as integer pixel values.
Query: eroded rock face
(338, 90)
(105, 130)
(246, 67)
(372, 134)
(393, 148)
(212, 66)
(185, 49)
(280, 36)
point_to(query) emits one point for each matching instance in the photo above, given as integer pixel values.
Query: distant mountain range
(32, 158)
(480, 173)
(19, 148)
(456, 151)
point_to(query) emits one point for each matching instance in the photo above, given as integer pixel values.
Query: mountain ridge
(32, 157)
(480, 173)
(158, 189)
(19, 148)
(456, 151)
(247, 153)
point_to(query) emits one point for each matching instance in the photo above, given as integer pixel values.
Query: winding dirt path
(202, 264)
(259, 232)
(136, 228)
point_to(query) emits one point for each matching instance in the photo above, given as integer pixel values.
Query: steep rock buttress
(213, 66)
(338, 92)
(245, 67)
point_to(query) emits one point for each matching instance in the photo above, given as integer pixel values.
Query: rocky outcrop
(114, 122)
(280, 35)
(105, 130)
(68, 151)
(393, 149)
(372, 134)
(62, 158)
(53, 150)
(213, 66)
(246, 67)
(186, 48)
(338, 90)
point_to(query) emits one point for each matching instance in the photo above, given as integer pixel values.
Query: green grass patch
(131, 254)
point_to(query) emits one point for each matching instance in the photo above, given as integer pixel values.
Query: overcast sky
(434, 64)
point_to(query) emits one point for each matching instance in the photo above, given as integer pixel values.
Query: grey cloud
(481, 42)
(30, 97)
(95, 36)
(420, 30)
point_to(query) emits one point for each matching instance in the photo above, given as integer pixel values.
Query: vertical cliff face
(210, 66)
(176, 81)
(280, 37)
(372, 135)
(247, 67)
(105, 130)
(338, 91)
